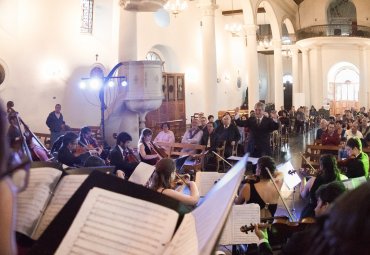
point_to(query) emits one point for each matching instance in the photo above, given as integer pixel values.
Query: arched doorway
(343, 87)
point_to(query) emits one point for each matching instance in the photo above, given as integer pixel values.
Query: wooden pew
(175, 151)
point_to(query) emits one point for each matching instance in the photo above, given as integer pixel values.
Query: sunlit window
(87, 7)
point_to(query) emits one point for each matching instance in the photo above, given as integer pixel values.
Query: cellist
(146, 152)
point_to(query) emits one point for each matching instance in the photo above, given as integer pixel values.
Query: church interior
(126, 65)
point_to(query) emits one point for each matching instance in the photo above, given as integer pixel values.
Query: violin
(305, 172)
(281, 228)
(181, 179)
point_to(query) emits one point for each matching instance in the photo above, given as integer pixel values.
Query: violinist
(146, 152)
(162, 182)
(66, 152)
(86, 139)
(262, 192)
(358, 162)
(121, 154)
(301, 241)
(328, 172)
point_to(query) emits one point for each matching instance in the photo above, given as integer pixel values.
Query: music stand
(291, 180)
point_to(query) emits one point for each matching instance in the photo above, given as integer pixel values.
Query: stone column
(252, 66)
(278, 75)
(295, 73)
(318, 89)
(364, 78)
(305, 78)
(208, 8)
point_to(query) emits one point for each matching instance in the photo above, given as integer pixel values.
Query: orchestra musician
(263, 191)
(357, 163)
(146, 152)
(162, 182)
(122, 157)
(66, 154)
(301, 241)
(86, 139)
(328, 172)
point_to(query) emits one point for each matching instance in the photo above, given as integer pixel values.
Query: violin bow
(222, 158)
(282, 199)
(309, 164)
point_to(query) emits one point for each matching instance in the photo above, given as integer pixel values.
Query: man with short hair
(229, 134)
(56, 124)
(323, 128)
(66, 152)
(260, 126)
(330, 137)
(353, 132)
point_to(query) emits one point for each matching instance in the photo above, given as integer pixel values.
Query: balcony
(331, 30)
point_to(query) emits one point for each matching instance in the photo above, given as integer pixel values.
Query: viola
(305, 172)
(180, 179)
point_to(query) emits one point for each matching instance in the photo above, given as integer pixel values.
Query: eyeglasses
(18, 171)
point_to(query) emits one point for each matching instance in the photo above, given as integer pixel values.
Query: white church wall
(47, 56)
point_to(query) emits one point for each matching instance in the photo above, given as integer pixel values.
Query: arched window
(341, 12)
(87, 11)
(151, 55)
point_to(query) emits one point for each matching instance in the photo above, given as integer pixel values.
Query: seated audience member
(193, 135)
(229, 134)
(330, 137)
(162, 181)
(339, 127)
(211, 141)
(94, 161)
(357, 163)
(323, 128)
(328, 172)
(211, 119)
(66, 152)
(203, 123)
(342, 151)
(285, 122)
(300, 241)
(262, 192)
(146, 152)
(121, 155)
(165, 136)
(353, 131)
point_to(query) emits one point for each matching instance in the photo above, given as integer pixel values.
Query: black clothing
(65, 156)
(54, 123)
(229, 134)
(319, 133)
(118, 160)
(210, 158)
(152, 161)
(356, 166)
(259, 135)
(255, 198)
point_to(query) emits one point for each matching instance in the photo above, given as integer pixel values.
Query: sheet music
(66, 188)
(291, 180)
(112, 223)
(185, 240)
(213, 211)
(142, 173)
(206, 180)
(32, 201)
(353, 183)
(240, 215)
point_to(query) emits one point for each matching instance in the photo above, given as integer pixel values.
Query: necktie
(258, 121)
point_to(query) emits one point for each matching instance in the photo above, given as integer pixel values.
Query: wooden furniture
(176, 150)
(172, 109)
(232, 113)
(44, 138)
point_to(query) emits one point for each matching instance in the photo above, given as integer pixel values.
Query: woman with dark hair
(262, 192)
(328, 172)
(162, 181)
(146, 151)
(121, 154)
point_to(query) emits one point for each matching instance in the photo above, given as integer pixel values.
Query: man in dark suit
(228, 133)
(65, 153)
(119, 155)
(260, 128)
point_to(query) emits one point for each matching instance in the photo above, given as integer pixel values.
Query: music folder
(108, 215)
(291, 180)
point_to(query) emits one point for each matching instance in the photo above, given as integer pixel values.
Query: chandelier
(235, 28)
(176, 6)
